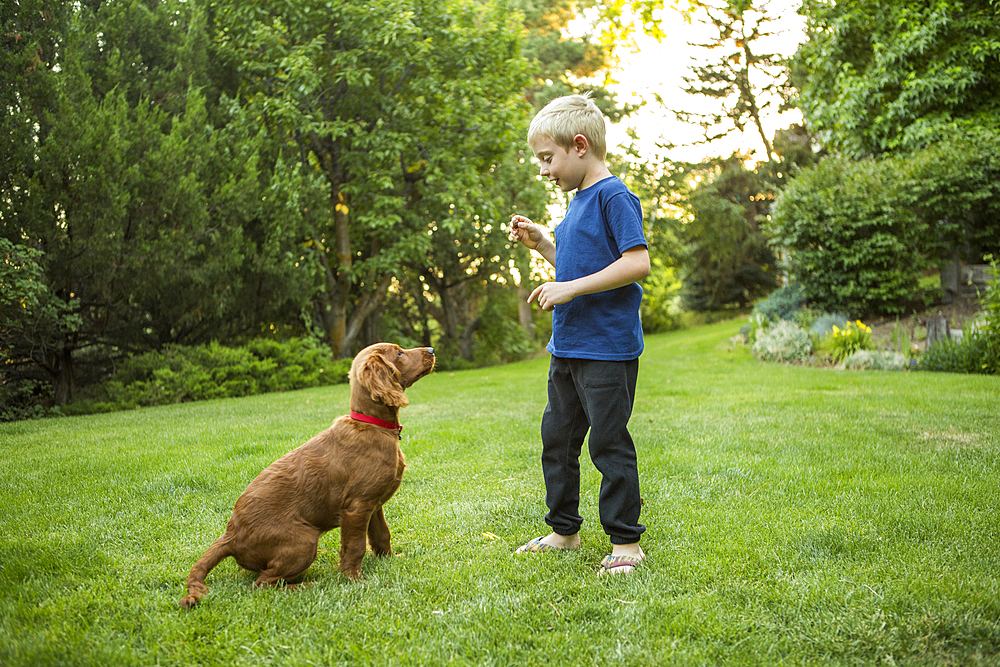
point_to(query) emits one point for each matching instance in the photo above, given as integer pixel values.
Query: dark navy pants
(596, 396)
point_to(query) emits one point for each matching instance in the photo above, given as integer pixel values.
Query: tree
(728, 259)
(742, 80)
(894, 76)
(34, 323)
(390, 104)
(142, 209)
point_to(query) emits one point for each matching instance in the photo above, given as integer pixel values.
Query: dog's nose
(430, 350)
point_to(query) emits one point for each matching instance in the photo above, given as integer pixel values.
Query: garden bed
(958, 313)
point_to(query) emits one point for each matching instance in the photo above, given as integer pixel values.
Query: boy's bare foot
(551, 542)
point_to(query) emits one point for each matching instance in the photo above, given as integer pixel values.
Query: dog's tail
(196, 587)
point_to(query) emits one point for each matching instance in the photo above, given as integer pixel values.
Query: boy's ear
(581, 144)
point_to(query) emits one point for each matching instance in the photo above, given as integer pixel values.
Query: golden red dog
(341, 477)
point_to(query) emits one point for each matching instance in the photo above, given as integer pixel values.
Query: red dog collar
(398, 428)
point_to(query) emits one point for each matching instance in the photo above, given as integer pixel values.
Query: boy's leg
(608, 389)
(564, 426)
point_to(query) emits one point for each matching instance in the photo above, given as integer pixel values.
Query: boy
(599, 253)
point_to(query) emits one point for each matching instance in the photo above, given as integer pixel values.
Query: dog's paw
(190, 601)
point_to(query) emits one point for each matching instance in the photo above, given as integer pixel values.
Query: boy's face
(565, 168)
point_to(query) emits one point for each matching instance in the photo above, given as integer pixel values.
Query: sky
(660, 68)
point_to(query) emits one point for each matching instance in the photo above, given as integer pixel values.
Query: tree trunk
(338, 282)
(466, 343)
(62, 375)
(937, 330)
(366, 305)
(524, 317)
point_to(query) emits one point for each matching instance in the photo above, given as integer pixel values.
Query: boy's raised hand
(525, 231)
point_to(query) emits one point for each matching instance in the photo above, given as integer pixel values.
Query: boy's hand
(525, 232)
(550, 295)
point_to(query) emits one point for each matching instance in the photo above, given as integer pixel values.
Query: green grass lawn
(795, 516)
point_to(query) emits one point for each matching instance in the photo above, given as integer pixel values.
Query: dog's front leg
(378, 533)
(353, 533)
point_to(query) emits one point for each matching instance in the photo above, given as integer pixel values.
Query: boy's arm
(632, 266)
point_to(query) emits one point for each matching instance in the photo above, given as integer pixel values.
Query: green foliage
(659, 295)
(902, 341)
(159, 210)
(411, 115)
(35, 324)
(842, 343)
(756, 324)
(965, 355)
(728, 260)
(858, 232)
(824, 323)
(894, 76)
(499, 338)
(849, 242)
(782, 341)
(876, 360)
(33, 321)
(179, 374)
(782, 303)
(978, 350)
(953, 187)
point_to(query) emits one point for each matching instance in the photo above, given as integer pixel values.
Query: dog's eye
(400, 353)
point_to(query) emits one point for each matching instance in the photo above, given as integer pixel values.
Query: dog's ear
(382, 380)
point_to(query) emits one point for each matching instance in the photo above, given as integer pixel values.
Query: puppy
(341, 477)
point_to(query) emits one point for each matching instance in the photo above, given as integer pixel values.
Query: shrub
(825, 322)
(850, 242)
(965, 355)
(659, 291)
(784, 341)
(757, 323)
(782, 303)
(876, 360)
(842, 343)
(178, 374)
(954, 187)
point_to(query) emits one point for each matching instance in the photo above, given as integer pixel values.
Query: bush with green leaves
(659, 292)
(842, 343)
(757, 323)
(876, 360)
(782, 303)
(955, 355)
(783, 341)
(178, 374)
(954, 188)
(849, 241)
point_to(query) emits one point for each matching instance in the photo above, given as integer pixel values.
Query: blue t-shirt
(601, 223)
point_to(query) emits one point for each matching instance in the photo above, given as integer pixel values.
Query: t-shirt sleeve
(623, 214)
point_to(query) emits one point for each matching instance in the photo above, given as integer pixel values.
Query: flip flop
(536, 546)
(620, 564)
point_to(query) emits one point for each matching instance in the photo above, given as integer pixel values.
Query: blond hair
(565, 117)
